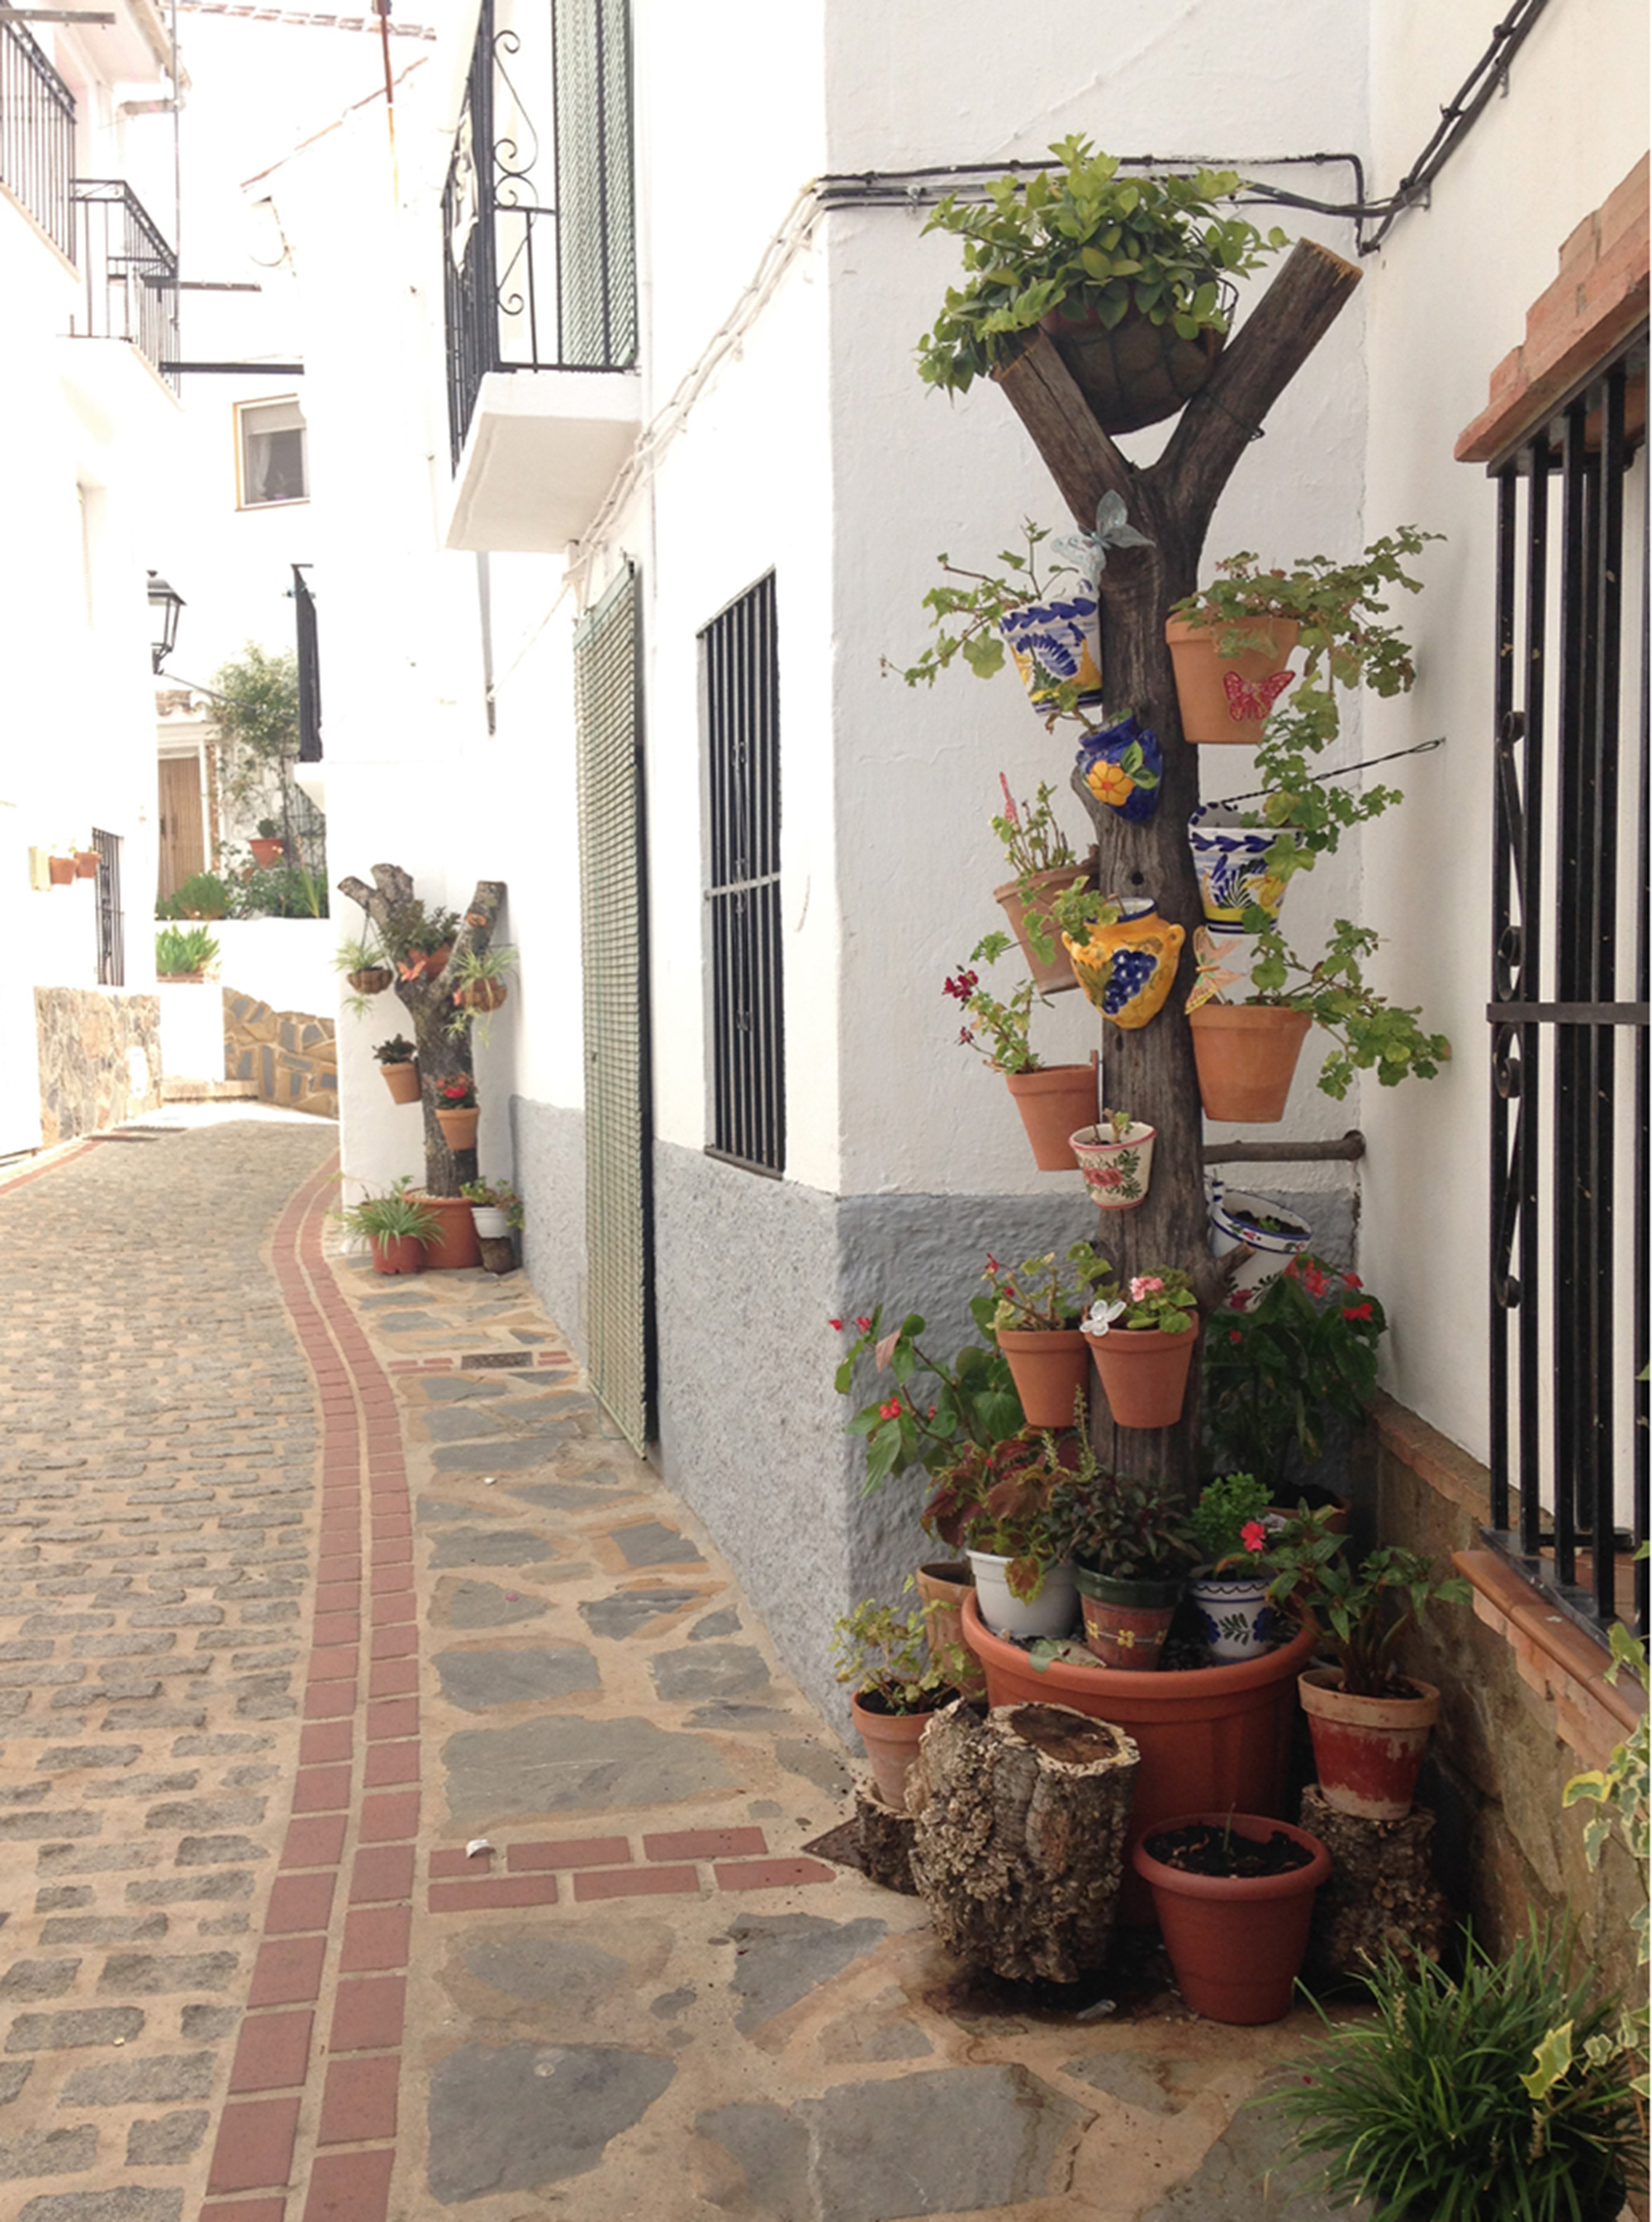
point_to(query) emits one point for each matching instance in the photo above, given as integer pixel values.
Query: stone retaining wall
(290, 1056)
(100, 1059)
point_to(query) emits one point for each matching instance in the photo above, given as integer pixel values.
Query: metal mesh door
(613, 937)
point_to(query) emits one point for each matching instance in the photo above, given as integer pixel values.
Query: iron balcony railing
(539, 235)
(36, 135)
(128, 271)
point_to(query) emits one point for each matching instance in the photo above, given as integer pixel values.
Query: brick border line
(606, 1867)
(60, 1154)
(363, 1798)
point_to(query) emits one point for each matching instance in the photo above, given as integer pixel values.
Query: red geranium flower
(837, 1324)
(1356, 1311)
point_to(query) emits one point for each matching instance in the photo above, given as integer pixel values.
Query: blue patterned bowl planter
(1129, 969)
(1055, 644)
(1235, 1615)
(1230, 860)
(1123, 767)
(1233, 1214)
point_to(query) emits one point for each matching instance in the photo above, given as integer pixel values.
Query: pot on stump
(1367, 1751)
(1247, 1057)
(1144, 1372)
(891, 1741)
(1236, 1941)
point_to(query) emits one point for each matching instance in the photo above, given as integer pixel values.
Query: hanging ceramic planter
(1231, 861)
(1116, 1172)
(1257, 1223)
(61, 871)
(1247, 1057)
(1050, 1367)
(1055, 644)
(1054, 1101)
(1235, 1615)
(1227, 698)
(1127, 968)
(1034, 897)
(1123, 766)
(402, 1081)
(459, 1129)
(1144, 1372)
(85, 863)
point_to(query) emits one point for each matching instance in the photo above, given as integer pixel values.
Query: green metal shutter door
(613, 937)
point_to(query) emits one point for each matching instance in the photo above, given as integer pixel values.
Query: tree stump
(884, 1839)
(1023, 1820)
(1381, 1891)
(498, 1252)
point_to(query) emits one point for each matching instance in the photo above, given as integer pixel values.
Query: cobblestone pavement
(354, 1572)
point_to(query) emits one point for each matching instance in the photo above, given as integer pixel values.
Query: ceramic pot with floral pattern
(1055, 644)
(1123, 766)
(1231, 861)
(1116, 1169)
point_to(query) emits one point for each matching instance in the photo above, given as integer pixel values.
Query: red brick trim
(1434, 1458)
(1555, 1659)
(1597, 299)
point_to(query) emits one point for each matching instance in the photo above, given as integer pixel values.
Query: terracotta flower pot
(1236, 1941)
(1053, 1101)
(1051, 1369)
(1227, 698)
(459, 1127)
(454, 1246)
(1052, 973)
(1247, 1057)
(266, 851)
(1216, 1736)
(1050, 1612)
(1367, 1751)
(1116, 1174)
(1133, 373)
(891, 1741)
(1126, 1623)
(373, 981)
(945, 1584)
(1144, 1373)
(61, 870)
(85, 863)
(402, 1081)
(397, 1253)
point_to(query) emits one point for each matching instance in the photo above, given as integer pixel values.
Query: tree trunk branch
(1080, 456)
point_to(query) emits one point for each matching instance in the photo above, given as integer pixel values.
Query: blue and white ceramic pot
(1235, 1615)
(1258, 1223)
(1057, 644)
(1124, 767)
(1230, 860)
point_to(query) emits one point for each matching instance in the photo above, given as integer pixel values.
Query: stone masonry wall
(290, 1056)
(100, 1059)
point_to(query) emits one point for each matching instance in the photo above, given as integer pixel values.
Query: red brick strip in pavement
(295, 2144)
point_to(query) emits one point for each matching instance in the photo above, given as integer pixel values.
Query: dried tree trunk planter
(1023, 1819)
(1381, 1891)
(884, 1837)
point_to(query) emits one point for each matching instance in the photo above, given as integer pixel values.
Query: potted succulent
(899, 1685)
(1141, 1337)
(1013, 1509)
(1130, 275)
(398, 1061)
(1132, 1546)
(1234, 1897)
(1115, 1156)
(1369, 1722)
(1281, 1365)
(1052, 1099)
(1036, 1311)
(397, 1227)
(1045, 864)
(266, 845)
(1231, 1586)
(457, 1112)
(184, 956)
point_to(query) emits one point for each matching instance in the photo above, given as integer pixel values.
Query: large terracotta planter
(1116, 1174)
(1050, 1371)
(1215, 1737)
(891, 1741)
(1050, 1612)
(1126, 1623)
(1054, 1102)
(402, 1081)
(1227, 698)
(1247, 1057)
(1237, 1942)
(1052, 973)
(455, 1246)
(1133, 373)
(1144, 1373)
(943, 1584)
(459, 1128)
(1367, 1751)
(397, 1253)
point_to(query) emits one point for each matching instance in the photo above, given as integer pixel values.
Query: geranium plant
(1021, 1499)
(1282, 1363)
(1032, 840)
(457, 1094)
(997, 1030)
(1045, 1293)
(886, 1654)
(1368, 1032)
(1162, 1297)
(499, 1195)
(933, 1410)
(990, 614)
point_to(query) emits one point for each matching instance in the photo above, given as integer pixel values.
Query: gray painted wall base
(748, 1273)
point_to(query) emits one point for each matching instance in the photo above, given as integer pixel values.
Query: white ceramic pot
(1051, 1612)
(1234, 1614)
(1232, 1213)
(1115, 1173)
(491, 1222)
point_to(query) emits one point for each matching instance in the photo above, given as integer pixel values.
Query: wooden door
(183, 843)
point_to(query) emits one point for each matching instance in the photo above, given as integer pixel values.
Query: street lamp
(166, 602)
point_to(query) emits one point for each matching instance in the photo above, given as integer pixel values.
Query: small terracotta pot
(1247, 1057)
(266, 851)
(85, 863)
(61, 870)
(1052, 973)
(397, 1253)
(454, 1246)
(1126, 1623)
(891, 1741)
(402, 1081)
(1144, 1373)
(480, 994)
(1227, 698)
(1051, 1369)
(945, 1584)
(1367, 1751)
(373, 981)
(1236, 1942)
(1116, 1174)
(459, 1128)
(1053, 1101)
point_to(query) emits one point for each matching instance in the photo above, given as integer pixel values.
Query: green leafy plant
(1430, 2107)
(1280, 1365)
(185, 952)
(967, 620)
(479, 977)
(1364, 1613)
(1032, 841)
(1369, 1033)
(1022, 1499)
(268, 830)
(1162, 1297)
(257, 720)
(499, 1195)
(885, 1654)
(1101, 244)
(1008, 1046)
(202, 896)
(1078, 910)
(935, 1408)
(1135, 1530)
(390, 1215)
(277, 891)
(1045, 1293)
(1228, 1523)
(397, 1050)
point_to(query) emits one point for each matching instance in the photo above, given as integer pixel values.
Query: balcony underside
(543, 450)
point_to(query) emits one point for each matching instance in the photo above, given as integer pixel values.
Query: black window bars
(112, 924)
(1569, 1014)
(36, 135)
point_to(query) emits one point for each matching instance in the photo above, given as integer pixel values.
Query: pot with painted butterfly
(1122, 766)
(1124, 954)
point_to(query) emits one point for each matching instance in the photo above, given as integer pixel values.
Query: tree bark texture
(429, 1003)
(1381, 1892)
(1022, 1822)
(885, 1840)
(1150, 1072)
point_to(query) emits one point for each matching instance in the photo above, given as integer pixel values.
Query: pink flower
(1234, 1335)
(891, 1410)
(1107, 1176)
(1145, 1285)
(992, 1262)
(1009, 802)
(962, 987)
(1352, 1281)
(1237, 1302)
(1252, 1535)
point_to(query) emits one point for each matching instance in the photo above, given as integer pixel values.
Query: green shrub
(177, 951)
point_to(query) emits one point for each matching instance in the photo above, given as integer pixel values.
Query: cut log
(1381, 1892)
(1022, 1822)
(884, 1840)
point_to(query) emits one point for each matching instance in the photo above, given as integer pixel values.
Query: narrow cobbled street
(310, 1580)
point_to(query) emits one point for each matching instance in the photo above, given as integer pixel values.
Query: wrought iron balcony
(128, 271)
(539, 233)
(36, 135)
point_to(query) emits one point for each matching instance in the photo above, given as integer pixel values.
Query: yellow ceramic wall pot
(1127, 968)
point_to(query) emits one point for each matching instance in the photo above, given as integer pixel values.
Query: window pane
(272, 453)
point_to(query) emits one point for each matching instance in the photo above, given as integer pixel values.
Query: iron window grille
(540, 260)
(111, 919)
(1569, 1014)
(37, 135)
(740, 712)
(129, 273)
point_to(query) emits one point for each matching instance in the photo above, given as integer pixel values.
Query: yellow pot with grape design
(1127, 968)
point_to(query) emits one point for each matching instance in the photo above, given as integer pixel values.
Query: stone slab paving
(288, 1640)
